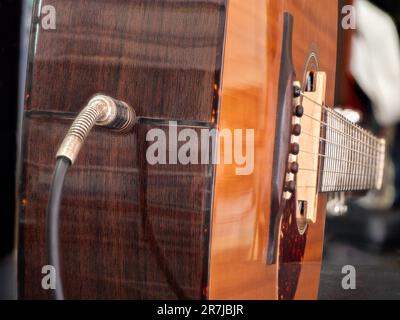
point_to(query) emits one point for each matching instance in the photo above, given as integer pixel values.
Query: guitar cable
(102, 111)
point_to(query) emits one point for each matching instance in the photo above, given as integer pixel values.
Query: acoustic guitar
(130, 229)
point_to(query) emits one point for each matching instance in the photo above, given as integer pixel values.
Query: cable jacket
(53, 223)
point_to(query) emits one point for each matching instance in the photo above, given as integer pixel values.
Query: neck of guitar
(336, 155)
(352, 159)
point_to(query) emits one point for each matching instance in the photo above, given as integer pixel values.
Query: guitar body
(130, 230)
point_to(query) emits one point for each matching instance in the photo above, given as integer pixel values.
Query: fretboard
(351, 158)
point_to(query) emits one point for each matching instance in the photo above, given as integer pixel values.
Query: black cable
(53, 221)
(102, 111)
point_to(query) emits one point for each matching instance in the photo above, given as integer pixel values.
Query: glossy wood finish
(249, 99)
(147, 53)
(128, 230)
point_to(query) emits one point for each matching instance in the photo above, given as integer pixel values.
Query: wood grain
(128, 230)
(158, 56)
(249, 98)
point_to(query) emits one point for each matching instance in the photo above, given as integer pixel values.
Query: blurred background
(363, 233)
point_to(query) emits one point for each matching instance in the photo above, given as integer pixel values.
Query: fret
(378, 158)
(355, 165)
(373, 178)
(381, 162)
(375, 153)
(321, 163)
(331, 183)
(375, 160)
(344, 155)
(324, 150)
(341, 149)
(347, 144)
(358, 166)
(361, 157)
(329, 152)
(352, 158)
(335, 149)
(348, 171)
(334, 154)
(365, 159)
(371, 161)
(361, 166)
(362, 160)
(367, 180)
(371, 172)
(329, 164)
(347, 156)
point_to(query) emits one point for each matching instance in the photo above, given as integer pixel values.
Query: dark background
(366, 238)
(9, 66)
(11, 12)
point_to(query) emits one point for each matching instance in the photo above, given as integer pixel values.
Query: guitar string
(337, 159)
(366, 179)
(341, 118)
(327, 126)
(370, 180)
(358, 180)
(338, 145)
(337, 172)
(333, 188)
(362, 182)
(344, 121)
(355, 151)
(371, 176)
